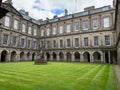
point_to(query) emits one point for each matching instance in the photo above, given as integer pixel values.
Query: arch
(33, 56)
(28, 56)
(77, 56)
(61, 56)
(22, 56)
(4, 56)
(54, 56)
(48, 56)
(97, 57)
(68, 54)
(13, 56)
(86, 56)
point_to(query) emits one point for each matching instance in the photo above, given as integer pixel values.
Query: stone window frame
(107, 22)
(48, 31)
(96, 43)
(68, 29)
(22, 45)
(42, 33)
(61, 44)
(86, 41)
(48, 44)
(28, 44)
(5, 43)
(16, 24)
(85, 25)
(61, 28)
(68, 44)
(23, 28)
(54, 30)
(14, 45)
(78, 26)
(7, 23)
(76, 45)
(34, 44)
(35, 32)
(54, 44)
(30, 30)
(108, 41)
(93, 23)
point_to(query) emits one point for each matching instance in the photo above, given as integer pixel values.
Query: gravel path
(117, 74)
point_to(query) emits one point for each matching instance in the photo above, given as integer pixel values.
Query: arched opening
(61, 56)
(77, 56)
(48, 56)
(86, 57)
(4, 56)
(13, 56)
(22, 56)
(28, 56)
(33, 56)
(68, 56)
(54, 56)
(97, 57)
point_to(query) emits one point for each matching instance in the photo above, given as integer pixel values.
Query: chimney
(66, 12)
(27, 13)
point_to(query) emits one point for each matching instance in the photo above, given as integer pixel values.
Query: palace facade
(87, 36)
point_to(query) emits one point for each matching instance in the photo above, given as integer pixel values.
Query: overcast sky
(40, 9)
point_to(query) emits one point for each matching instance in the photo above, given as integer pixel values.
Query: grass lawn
(56, 76)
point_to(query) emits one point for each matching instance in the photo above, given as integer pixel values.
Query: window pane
(96, 43)
(28, 45)
(7, 21)
(42, 32)
(106, 22)
(54, 43)
(61, 43)
(95, 23)
(86, 41)
(76, 42)
(68, 28)
(23, 28)
(54, 30)
(14, 40)
(30, 30)
(76, 26)
(15, 24)
(85, 25)
(48, 31)
(5, 39)
(68, 42)
(107, 40)
(61, 29)
(22, 42)
(35, 32)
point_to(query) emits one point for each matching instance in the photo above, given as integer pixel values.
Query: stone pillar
(109, 56)
(18, 57)
(8, 57)
(65, 58)
(91, 58)
(103, 57)
(45, 57)
(81, 58)
(51, 57)
(73, 57)
(58, 58)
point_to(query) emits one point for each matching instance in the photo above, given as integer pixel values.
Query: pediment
(10, 8)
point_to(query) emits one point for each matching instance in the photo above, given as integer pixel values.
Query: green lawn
(56, 76)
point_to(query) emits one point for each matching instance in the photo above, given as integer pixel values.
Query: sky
(42, 9)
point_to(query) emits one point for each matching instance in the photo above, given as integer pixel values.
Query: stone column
(45, 57)
(51, 57)
(8, 57)
(65, 58)
(58, 58)
(73, 57)
(91, 58)
(81, 58)
(109, 56)
(103, 57)
(18, 57)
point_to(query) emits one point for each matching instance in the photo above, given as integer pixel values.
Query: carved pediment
(10, 8)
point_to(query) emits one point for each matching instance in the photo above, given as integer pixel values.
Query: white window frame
(95, 23)
(85, 25)
(106, 22)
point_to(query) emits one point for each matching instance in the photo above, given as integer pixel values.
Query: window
(61, 43)
(28, 44)
(30, 30)
(42, 43)
(54, 43)
(96, 43)
(68, 28)
(48, 44)
(15, 24)
(35, 32)
(76, 26)
(68, 42)
(61, 29)
(7, 21)
(107, 40)
(95, 24)
(22, 42)
(86, 41)
(76, 42)
(23, 28)
(34, 44)
(42, 32)
(5, 39)
(54, 30)
(106, 22)
(48, 31)
(14, 40)
(85, 25)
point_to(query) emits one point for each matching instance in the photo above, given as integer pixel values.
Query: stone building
(87, 36)
(117, 28)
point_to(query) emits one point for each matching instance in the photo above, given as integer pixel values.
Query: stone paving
(117, 74)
